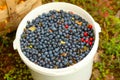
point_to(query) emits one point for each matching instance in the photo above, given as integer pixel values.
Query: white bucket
(80, 71)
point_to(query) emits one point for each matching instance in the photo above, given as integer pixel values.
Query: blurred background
(105, 12)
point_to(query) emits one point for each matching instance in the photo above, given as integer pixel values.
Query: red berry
(66, 26)
(90, 43)
(85, 34)
(82, 39)
(71, 12)
(90, 26)
(91, 39)
(70, 30)
(86, 40)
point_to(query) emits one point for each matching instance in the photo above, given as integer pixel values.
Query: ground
(107, 60)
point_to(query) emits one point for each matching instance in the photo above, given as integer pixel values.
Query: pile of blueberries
(57, 39)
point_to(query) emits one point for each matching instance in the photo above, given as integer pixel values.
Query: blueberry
(51, 36)
(57, 63)
(87, 44)
(56, 49)
(70, 61)
(85, 29)
(43, 56)
(81, 35)
(91, 34)
(51, 67)
(64, 50)
(60, 65)
(61, 51)
(51, 55)
(46, 53)
(84, 24)
(28, 22)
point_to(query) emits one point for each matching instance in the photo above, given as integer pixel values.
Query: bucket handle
(15, 44)
(98, 27)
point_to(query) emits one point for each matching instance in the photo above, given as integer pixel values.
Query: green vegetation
(108, 65)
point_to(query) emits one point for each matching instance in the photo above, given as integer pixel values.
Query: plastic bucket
(80, 71)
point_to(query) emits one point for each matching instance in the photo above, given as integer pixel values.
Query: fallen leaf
(32, 28)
